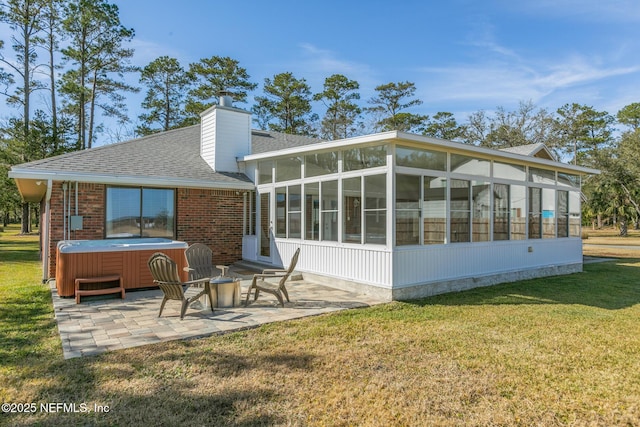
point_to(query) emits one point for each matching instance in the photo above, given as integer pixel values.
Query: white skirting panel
(250, 247)
(428, 264)
(364, 264)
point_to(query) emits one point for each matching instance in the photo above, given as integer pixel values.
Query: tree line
(71, 60)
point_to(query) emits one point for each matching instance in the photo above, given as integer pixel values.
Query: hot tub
(126, 257)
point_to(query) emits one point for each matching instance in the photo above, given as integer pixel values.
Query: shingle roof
(171, 154)
(534, 150)
(263, 141)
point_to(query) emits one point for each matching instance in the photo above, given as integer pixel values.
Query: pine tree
(167, 83)
(287, 100)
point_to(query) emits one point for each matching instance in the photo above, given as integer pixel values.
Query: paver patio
(109, 323)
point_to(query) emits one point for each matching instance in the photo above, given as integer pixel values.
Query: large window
(140, 212)
(460, 211)
(352, 207)
(375, 209)
(408, 209)
(435, 210)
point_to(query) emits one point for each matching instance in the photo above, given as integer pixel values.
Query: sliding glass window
(295, 212)
(408, 214)
(460, 211)
(501, 212)
(140, 212)
(548, 213)
(481, 212)
(375, 209)
(563, 213)
(329, 210)
(312, 211)
(518, 212)
(575, 218)
(435, 210)
(281, 212)
(535, 213)
(352, 210)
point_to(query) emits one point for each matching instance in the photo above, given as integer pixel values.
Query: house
(393, 214)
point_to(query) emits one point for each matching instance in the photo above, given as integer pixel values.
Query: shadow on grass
(26, 321)
(179, 384)
(609, 285)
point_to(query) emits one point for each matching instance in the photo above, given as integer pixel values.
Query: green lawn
(554, 351)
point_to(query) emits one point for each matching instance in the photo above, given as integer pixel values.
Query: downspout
(45, 233)
(64, 210)
(74, 231)
(244, 214)
(68, 218)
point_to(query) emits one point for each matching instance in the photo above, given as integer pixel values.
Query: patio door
(265, 228)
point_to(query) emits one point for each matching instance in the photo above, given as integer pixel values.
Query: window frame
(141, 223)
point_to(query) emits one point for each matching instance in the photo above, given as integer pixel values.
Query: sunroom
(403, 216)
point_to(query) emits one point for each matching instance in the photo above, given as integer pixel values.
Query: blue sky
(462, 55)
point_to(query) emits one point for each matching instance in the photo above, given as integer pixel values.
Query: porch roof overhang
(32, 184)
(403, 137)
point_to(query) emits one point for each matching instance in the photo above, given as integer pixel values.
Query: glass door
(266, 229)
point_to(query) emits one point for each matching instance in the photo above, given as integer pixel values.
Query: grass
(609, 240)
(553, 351)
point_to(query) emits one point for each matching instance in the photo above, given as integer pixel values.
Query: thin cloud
(516, 79)
(318, 64)
(581, 10)
(147, 51)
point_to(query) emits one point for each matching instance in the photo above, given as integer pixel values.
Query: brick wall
(212, 217)
(90, 207)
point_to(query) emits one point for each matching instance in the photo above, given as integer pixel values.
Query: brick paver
(107, 323)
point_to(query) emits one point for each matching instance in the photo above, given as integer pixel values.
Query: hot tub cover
(113, 245)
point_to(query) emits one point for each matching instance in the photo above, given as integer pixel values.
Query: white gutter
(27, 173)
